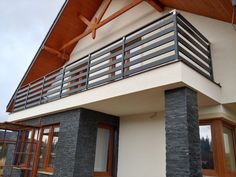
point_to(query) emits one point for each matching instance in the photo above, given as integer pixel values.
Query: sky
(23, 26)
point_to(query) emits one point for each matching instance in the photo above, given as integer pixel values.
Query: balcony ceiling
(68, 26)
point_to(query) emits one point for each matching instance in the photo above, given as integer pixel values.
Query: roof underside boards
(217, 9)
(68, 25)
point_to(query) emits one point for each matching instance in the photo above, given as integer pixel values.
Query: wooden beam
(156, 4)
(105, 21)
(107, 3)
(59, 54)
(84, 19)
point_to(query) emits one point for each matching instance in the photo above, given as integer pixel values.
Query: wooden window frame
(217, 125)
(28, 153)
(48, 150)
(107, 173)
(233, 130)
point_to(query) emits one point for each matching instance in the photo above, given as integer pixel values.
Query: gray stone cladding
(75, 153)
(183, 156)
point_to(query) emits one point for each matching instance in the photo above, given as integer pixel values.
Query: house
(128, 88)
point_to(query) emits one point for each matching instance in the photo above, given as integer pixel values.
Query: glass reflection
(206, 147)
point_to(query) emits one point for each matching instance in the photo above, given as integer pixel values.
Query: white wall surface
(142, 142)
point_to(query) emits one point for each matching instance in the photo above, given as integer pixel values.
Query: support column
(183, 156)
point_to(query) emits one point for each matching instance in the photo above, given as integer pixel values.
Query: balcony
(166, 40)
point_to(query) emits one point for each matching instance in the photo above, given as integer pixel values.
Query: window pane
(26, 146)
(229, 149)
(54, 146)
(206, 147)
(102, 146)
(43, 146)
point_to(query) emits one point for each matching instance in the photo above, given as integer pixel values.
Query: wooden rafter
(156, 4)
(59, 54)
(84, 19)
(92, 25)
(103, 22)
(107, 3)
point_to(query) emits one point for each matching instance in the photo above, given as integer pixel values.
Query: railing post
(27, 96)
(211, 65)
(123, 56)
(175, 16)
(62, 80)
(41, 95)
(88, 69)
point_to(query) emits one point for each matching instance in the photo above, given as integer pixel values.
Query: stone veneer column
(183, 156)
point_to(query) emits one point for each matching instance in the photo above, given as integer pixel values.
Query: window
(49, 143)
(218, 147)
(229, 149)
(26, 147)
(206, 147)
(104, 151)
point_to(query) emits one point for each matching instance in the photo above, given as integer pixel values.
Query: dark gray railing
(168, 39)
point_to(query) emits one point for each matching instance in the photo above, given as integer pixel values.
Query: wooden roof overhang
(70, 25)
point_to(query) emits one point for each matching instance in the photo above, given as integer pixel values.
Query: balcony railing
(168, 39)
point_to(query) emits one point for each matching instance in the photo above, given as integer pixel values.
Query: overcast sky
(23, 26)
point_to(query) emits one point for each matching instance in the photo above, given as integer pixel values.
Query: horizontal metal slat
(149, 47)
(118, 76)
(22, 90)
(76, 64)
(52, 92)
(32, 104)
(151, 29)
(195, 60)
(194, 68)
(106, 58)
(53, 75)
(151, 55)
(33, 99)
(161, 62)
(19, 104)
(20, 99)
(22, 94)
(193, 28)
(107, 50)
(19, 108)
(51, 87)
(36, 88)
(53, 81)
(33, 94)
(150, 38)
(73, 91)
(74, 84)
(193, 50)
(105, 65)
(75, 77)
(105, 73)
(50, 98)
(33, 84)
(75, 71)
(189, 30)
(190, 39)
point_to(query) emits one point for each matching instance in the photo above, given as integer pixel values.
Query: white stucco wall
(142, 142)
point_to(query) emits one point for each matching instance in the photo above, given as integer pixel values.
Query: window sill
(45, 172)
